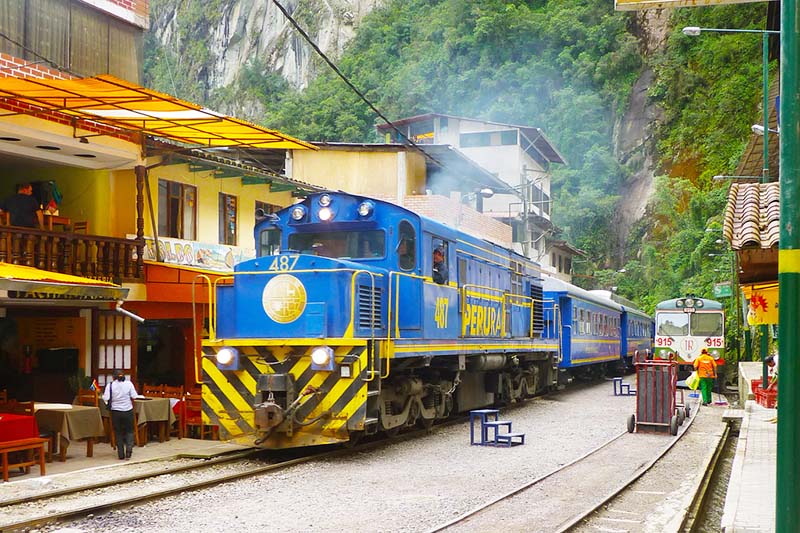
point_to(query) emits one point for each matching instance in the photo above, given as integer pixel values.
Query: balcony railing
(92, 256)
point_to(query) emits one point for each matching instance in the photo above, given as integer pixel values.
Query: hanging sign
(762, 303)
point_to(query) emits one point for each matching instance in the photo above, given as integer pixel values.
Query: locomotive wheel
(392, 432)
(425, 423)
(355, 437)
(681, 416)
(631, 423)
(673, 425)
(688, 411)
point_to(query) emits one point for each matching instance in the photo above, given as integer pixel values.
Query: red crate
(768, 398)
(755, 384)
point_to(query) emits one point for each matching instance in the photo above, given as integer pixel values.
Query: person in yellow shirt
(706, 369)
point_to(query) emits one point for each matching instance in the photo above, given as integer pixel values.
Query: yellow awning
(32, 280)
(114, 102)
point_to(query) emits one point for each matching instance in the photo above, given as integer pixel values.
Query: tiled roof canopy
(752, 226)
(752, 215)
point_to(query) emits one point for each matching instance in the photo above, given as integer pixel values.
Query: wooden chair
(177, 393)
(89, 397)
(3, 396)
(23, 408)
(193, 408)
(53, 438)
(81, 226)
(153, 391)
(5, 218)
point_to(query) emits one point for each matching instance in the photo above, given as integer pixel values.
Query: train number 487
(440, 315)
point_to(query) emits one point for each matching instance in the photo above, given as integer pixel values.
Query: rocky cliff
(240, 31)
(634, 133)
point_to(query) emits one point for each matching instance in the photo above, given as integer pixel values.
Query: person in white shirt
(119, 395)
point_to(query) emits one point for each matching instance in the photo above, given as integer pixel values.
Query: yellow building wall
(86, 194)
(371, 173)
(208, 189)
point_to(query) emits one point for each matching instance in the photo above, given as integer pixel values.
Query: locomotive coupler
(269, 415)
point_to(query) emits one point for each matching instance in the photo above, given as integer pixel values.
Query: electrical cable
(350, 84)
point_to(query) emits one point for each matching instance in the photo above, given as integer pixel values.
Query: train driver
(439, 266)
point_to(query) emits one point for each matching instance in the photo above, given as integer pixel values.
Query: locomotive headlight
(298, 212)
(227, 358)
(322, 358)
(365, 208)
(325, 200)
(698, 303)
(325, 214)
(689, 302)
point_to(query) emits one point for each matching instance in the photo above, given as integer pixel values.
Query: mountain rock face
(634, 133)
(244, 30)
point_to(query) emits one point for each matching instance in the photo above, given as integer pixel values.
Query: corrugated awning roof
(752, 215)
(32, 280)
(114, 102)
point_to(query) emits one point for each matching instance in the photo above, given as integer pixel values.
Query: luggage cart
(656, 407)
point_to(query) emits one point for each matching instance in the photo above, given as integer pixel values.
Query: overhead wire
(350, 84)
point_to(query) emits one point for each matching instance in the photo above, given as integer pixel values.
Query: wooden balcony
(92, 256)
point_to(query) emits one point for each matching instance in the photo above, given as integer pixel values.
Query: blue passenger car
(595, 331)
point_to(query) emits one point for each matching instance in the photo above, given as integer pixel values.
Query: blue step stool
(621, 388)
(496, 425)
(482, 416)
(508, 439)
(488, 419)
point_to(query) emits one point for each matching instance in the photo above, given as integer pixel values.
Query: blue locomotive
(359, 316)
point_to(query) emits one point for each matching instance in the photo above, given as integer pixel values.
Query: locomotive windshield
(697, 324)
(672, 324)
(341, 244)
(706, 324)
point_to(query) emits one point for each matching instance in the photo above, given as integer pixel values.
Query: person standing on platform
(23, 208)
(707, 371)
(119, 395)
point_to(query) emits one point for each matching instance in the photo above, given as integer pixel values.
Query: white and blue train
(345, 325)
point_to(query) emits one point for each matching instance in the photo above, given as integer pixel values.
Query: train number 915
(664, 341)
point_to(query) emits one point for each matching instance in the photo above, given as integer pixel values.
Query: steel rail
(82, 511)
(573, 521)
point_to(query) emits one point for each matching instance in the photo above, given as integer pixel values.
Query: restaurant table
(50, 220)
(73, 422)
(14, 427)
(156, 411)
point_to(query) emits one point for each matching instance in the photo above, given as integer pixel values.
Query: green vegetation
(565, 66)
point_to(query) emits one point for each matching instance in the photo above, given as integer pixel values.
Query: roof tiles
(752, 215)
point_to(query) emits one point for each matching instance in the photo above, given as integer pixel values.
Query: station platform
(105, 457)
(750, 501)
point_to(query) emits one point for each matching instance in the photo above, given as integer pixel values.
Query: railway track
(114, 492)
(572, 489)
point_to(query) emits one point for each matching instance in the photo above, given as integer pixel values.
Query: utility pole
(787, 488)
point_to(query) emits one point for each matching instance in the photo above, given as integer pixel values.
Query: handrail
(198, 361)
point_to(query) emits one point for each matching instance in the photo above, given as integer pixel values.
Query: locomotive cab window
(672, 324)
(406, 246)
(439, 270)
(707, 324)
(340, 244)
(269, 242)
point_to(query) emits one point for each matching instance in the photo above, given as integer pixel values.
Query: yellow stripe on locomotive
(285, 395)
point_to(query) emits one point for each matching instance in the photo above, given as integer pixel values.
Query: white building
(519, 155)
